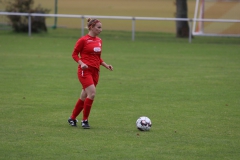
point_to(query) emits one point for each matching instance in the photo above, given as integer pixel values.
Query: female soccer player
(89, 47)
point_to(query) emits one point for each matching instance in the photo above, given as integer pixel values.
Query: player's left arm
(108, 66)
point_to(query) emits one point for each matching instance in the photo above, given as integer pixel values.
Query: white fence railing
(133, 19)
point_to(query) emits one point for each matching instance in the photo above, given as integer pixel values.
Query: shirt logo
(97, 49)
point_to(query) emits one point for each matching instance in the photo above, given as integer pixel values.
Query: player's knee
(92, 95)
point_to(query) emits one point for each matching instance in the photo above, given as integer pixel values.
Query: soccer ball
(143, 123)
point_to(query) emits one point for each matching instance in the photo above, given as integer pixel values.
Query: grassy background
(189, 91)
(139, 8)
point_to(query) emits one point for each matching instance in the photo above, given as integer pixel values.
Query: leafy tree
(20, 23)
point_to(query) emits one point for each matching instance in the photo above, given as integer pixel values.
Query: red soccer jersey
(90, 49)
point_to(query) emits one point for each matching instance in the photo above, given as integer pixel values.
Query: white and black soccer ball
(143, 123)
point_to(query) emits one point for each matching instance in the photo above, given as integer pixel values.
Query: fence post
(55, 12)
(190, 31)
(29, 25)
(82, 25)
(133, 28)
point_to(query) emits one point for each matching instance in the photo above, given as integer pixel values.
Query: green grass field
(191, 92)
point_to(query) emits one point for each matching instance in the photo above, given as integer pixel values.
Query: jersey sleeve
(77, 49)
(101, 60)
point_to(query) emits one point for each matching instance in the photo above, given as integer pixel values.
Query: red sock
(87, 108)
(77, 109)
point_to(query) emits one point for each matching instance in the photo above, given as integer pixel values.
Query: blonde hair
(91, 22)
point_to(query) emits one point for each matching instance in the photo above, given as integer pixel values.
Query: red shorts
(88, 76)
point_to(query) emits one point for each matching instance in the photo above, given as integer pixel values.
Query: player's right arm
(83, 65)
(77, 49)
